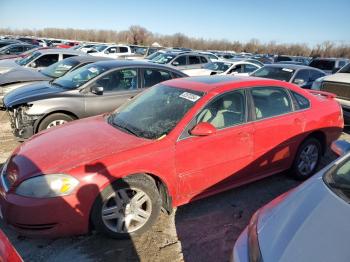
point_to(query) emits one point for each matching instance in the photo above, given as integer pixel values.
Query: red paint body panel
(97, 154)
(7, 252)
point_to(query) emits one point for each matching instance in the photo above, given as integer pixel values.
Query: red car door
(278, 130)
(206, 164)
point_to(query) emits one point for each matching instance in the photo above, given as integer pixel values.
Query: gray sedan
(90, 90)
(301, 75)
(21, 76)
(308, 223)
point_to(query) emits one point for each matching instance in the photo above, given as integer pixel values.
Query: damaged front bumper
(23, 125)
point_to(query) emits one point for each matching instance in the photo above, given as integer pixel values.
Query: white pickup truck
(112, 51)
(339, 84)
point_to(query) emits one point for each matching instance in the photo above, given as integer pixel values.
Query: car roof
(217, 83)
(114, 63)
(60, 51)
(291, 66)
(19, 44)
(88, 58)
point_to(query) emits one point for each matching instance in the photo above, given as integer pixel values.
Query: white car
(112, 51)
(224, 68)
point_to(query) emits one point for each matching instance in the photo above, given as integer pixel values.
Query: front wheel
(128, 207)
(53, 120)
(307, 159)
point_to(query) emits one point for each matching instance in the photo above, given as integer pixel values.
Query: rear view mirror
(203, 129)
(340, 147)
(97, 90)
(299, 81)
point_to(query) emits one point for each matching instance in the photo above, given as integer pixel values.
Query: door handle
(298, 121)
(244, 136)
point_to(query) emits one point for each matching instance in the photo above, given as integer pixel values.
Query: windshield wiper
(123, 127)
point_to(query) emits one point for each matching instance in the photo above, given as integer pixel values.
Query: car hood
(21, 74)
(338, 77)
(303, 224)
(7, 64)
(30, 93)
(75, 144)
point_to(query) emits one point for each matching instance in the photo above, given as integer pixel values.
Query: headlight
(47, 186)
(253, 241)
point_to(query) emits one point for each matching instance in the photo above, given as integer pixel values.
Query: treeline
(141, 36)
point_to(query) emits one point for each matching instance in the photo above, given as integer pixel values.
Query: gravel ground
(204, 230)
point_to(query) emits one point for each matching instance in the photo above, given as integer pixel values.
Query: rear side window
(270, 101)
(123, 49)
(46, 60)
(203, 60)
(152, 77)
(302, 101)
(315, 74)
(181, 60)
(67, 55)
(323, 64)
(193, 60)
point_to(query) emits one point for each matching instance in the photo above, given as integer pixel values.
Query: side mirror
(340, 147)
(299, 81)
(97, 90)
(33, 65)
(203, 129)
(106, 52)
(7, 52)
(175, 63)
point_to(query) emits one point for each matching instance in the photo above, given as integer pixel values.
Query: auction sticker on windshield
(287, 70)
(93, 69)
(189, 96)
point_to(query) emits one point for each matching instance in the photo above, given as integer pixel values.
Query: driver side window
(120, 80)
(225, 111)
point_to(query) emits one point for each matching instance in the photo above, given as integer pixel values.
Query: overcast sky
(284, 21)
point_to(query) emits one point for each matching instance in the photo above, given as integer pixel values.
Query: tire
(50, 120)
(307, 159)
(112, 206)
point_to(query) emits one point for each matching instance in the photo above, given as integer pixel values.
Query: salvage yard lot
(204, 230)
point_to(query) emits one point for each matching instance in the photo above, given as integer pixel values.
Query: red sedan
(179, 141)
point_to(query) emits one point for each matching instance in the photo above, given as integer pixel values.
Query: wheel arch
(66, 112)
(321, 137)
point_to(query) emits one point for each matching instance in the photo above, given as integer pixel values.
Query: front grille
(342, 90)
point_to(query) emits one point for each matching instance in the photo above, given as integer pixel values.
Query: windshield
(156, 112)
(100, 48)
(278, 73)
(26, 60)
(218, 66)
(345, 69)
(80, 76)
(323, 64)
(60, 68)
(338, 179)
(163, 58)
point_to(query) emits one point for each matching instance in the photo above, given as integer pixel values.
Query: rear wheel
(53, 120)
(128, 207)
(307, 158)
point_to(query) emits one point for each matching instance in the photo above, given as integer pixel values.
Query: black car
(15, 49)
(303, 76)
(329, 65)
(8, 42)
(90, 90)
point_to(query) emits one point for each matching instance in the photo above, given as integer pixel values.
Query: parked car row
(150, 138)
